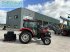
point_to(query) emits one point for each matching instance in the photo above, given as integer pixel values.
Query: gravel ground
(58, 44)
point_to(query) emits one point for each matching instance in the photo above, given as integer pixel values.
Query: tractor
(34, 28)
(65, 30)
(62, 29)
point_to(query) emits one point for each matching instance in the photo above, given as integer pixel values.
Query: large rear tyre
(25, 37)
(46, 41)
(64, 34)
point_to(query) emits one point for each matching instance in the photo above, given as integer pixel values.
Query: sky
(10, 4)
(52, 8)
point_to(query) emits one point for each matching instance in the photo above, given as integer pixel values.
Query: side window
(16, 16)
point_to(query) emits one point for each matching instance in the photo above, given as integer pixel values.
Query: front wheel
(25, 37)
(46, 41)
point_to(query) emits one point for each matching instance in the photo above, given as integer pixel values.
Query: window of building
(16, 16)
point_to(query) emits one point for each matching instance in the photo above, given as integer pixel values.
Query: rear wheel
(25, 37)
(64, 33)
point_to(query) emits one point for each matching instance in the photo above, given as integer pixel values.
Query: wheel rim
(25, 37)
(47, 41)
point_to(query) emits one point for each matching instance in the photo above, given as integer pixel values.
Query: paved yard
(59, 44)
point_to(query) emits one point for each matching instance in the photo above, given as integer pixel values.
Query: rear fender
(28, 30)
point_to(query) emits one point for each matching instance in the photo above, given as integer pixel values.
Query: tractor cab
(29, 24)
(32, 25)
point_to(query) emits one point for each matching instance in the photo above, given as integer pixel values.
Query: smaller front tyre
(25, 37)
(46, 41)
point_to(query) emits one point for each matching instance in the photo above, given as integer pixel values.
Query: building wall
(22, 13)
(46, 18)
(38, 16)
(12, 21)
